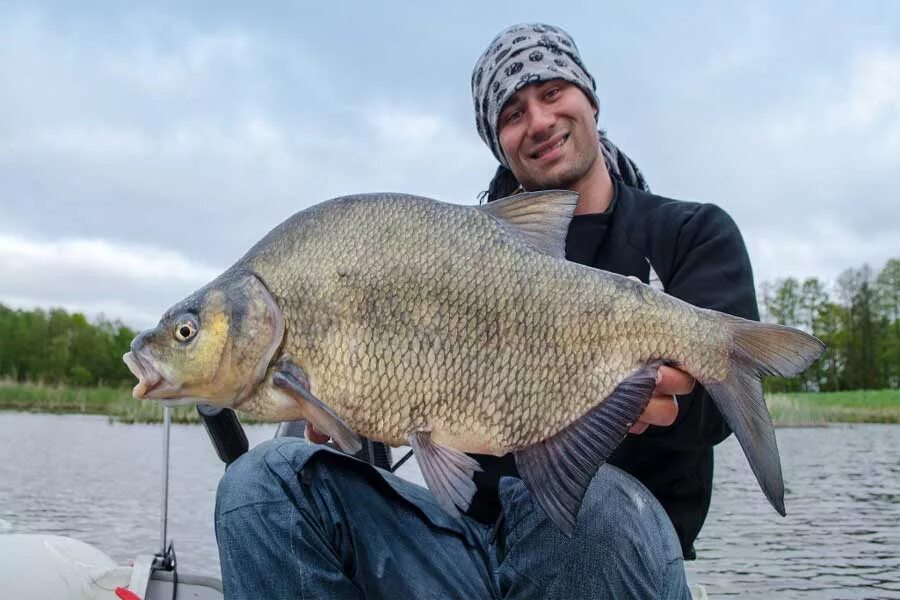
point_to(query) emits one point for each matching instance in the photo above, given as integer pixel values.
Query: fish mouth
(151, 383)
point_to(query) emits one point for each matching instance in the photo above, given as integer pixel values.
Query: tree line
(858, 318)
(57, 347)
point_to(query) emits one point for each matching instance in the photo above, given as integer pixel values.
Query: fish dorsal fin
(541, 219)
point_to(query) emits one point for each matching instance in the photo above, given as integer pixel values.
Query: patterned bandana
(519, 56)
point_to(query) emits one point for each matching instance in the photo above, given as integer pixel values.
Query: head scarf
(521, 55)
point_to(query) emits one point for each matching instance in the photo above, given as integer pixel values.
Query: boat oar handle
(225, 432)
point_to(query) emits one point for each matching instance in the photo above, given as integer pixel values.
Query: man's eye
(552, 93)
(512, 116)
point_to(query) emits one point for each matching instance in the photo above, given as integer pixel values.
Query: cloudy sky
(142, 150)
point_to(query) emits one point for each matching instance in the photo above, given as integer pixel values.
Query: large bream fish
(458, 329)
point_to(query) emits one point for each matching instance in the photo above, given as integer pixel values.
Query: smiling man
(548, 133)
(300, 520)
(537, 110)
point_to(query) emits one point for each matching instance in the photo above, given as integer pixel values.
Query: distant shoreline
(810, 409)
(788, 410)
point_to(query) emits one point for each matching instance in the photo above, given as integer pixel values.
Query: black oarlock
(225, 432)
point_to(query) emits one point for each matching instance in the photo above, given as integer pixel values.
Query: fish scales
(470, 299)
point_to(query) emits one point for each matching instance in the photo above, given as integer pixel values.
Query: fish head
(213, 347)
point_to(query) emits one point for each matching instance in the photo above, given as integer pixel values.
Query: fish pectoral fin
(558, 470)
(448, 472)
(291, 379)
(540, 219)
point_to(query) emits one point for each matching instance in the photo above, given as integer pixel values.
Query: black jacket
(700, 257)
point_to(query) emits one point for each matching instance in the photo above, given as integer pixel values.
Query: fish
(455, 330)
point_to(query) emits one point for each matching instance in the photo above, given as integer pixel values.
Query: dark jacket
(700, 257)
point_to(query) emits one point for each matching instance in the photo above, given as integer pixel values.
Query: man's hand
(663, 407)
(313, 435)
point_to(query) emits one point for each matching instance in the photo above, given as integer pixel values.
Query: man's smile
(549, 148)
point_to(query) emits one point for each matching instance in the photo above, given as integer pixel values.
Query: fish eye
(185, 330)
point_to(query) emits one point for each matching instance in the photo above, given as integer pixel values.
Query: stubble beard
(564, 180)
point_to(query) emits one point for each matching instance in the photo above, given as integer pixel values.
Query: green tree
(828, 328)
(887, 285)
(857, 293)
(786, 302)
(812, 303)
(784, 305)
(59, 347)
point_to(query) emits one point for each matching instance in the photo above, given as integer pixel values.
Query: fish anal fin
(540, 219)
(293, 381)
(447, 472)
(558, 470)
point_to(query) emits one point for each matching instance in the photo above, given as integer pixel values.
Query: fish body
(458, 330)
(455, 327)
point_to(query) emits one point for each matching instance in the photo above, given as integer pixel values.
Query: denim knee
(263, 474)
(618, 505)
(615, 496)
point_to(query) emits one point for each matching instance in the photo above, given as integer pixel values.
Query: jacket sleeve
(711, 269)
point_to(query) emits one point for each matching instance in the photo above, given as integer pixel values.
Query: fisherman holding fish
(513, 369)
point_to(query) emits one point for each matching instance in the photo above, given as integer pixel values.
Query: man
(298, 520)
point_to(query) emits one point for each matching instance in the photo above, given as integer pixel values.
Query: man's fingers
(671, 381)
(638, 428)
(661, 411)
(313, 435)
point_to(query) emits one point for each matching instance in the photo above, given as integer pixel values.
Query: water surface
(85, 477)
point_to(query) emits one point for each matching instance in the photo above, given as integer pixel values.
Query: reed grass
(115, 403)
(821, 408)
(788, 410)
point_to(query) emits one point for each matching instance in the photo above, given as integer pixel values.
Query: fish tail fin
(760, 349)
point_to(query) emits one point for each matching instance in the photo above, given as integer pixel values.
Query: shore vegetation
(798, 409)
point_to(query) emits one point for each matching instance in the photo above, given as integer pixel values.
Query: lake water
(100, 482)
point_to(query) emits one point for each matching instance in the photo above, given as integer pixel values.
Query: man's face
(549, 136)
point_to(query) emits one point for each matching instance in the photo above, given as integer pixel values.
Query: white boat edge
(52, 566)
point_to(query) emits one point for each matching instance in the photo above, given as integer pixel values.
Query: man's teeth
(553, 147)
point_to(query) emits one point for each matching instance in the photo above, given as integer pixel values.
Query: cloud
(777, 255)
(154, 128)
(873, 99)
(135, 283)
(862, 103)
(414, 131)
(135, 263)
(189, 64)
(425, 153)
(829, 158)
(810, 174)
(199, 140)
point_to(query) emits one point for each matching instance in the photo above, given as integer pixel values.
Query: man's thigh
(344, 526)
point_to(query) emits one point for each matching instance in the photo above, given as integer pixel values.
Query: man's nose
(540, 121)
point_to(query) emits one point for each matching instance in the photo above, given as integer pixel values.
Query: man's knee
(263, 474)
(616, 497)
(618, 506)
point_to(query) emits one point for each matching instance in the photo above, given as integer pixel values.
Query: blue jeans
(297, 520)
